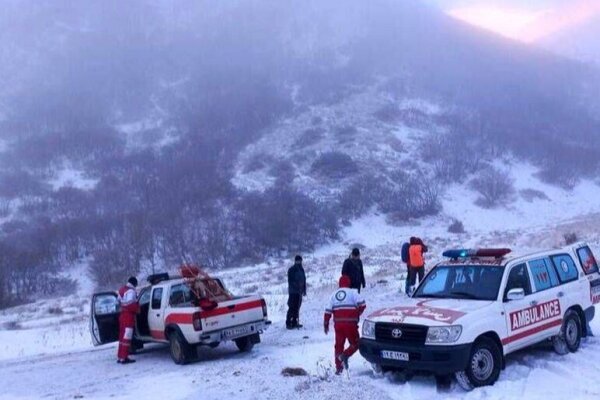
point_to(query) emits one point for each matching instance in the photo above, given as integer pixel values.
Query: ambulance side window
(588, 262)
(156, 298)
(518, 278)
(543, 273)
(565, 266)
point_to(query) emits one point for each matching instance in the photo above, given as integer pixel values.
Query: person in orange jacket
(346, 306)
(129, 308)
(417, 262)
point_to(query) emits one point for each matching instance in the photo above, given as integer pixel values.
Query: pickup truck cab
(185, 313)
(472, 310)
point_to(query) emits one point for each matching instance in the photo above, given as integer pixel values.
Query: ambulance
(476, 307)
(184, 311)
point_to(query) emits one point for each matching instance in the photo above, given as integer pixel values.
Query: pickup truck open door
(104, 318)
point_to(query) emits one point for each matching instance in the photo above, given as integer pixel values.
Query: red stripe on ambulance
(532, 315)
(530, 332)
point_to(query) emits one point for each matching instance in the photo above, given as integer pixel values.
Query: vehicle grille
(411, 334)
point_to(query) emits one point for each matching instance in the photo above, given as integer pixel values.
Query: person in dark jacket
(296, 289)
(353, 268)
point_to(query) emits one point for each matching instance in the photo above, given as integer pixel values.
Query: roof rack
(157, 278)
(455, 254)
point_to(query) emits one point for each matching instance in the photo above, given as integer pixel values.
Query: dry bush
(294, 371)
(456, 227)
(570, 238)
(530, 195)
(494, 187)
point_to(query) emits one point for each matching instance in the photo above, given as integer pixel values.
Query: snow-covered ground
(224, 373)
(46, 352)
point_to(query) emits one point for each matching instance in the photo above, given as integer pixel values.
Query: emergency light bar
(468, 253)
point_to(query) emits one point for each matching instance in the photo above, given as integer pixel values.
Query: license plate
(394, 355)
(236, 332)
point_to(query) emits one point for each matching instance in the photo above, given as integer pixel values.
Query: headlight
(443, 334)
(368, 329)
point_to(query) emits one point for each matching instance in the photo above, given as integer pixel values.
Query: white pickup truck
(185, 314)
(475, 308)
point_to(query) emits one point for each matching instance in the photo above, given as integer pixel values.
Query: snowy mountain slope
(377, 131)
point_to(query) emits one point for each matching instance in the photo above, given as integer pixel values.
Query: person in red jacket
(346, 305)
(129, 308)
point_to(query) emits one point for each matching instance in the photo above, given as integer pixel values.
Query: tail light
(264, 307)
(197, 321)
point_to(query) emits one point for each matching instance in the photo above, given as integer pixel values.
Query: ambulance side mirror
(515, 294)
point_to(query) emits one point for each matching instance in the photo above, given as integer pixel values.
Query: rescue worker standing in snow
(129, 308)
(346, 305)
(406, 259)
(296, 289)
(353, 268)
(417, 262)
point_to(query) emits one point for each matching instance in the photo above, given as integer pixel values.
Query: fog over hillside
(133, 133)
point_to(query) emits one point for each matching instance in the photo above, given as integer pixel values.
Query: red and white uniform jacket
(129, 303)
(346, 305)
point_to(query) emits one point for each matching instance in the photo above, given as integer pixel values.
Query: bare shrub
(388, 113)
(395, 144)
(451, 156)
(55, 310)
(359, 197)
(494, 187)
(456, 227)
(409, 196)
(12, 326)
(530, 195)
(309, 137)
(293, 371)
(570, 238)
(334, 165)
(251, 289)
(257, 162)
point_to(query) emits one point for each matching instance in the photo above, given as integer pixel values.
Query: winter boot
(344, 360)
(126, 361)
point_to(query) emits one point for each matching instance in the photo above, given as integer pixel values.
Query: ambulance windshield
(474, 282)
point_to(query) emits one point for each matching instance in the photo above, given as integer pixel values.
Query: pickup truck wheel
(569, 338)
(244, 344)
(181, 351)
(485, 363)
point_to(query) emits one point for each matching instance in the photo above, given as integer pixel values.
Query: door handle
(158, 315)
(560, 294)
(533, 303)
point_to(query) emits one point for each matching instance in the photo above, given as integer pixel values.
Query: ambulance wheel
(379, 369)
(244, 344)
(569, 338)
(483, 369)
(181, 351)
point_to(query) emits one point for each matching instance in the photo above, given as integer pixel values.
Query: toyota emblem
(397, 333)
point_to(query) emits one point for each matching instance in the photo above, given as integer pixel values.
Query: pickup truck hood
(430, 312)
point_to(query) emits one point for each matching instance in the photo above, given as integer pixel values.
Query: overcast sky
(525, 20)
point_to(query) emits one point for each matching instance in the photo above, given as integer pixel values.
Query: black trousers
(293, 314)
(412, 276)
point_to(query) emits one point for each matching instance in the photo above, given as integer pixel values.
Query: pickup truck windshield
(475, 282)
